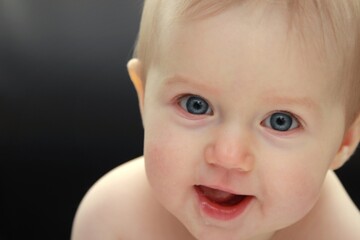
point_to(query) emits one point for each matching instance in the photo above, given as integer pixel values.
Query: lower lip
(219, 212)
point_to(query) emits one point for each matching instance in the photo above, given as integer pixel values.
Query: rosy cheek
(158, 155)
(154, 159)
(298, 192)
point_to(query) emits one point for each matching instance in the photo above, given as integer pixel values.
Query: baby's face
(237, 105)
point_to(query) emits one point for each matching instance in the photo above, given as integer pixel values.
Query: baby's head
(332, 28)
(246, 103)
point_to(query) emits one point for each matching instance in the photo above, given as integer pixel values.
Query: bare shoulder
(336, 211)
(121, 206)
(342, 214)
(111, 202)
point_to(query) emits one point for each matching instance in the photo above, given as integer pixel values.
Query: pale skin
(295, 194)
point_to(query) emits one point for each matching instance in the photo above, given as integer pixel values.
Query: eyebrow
(180, 79)
(299, 101)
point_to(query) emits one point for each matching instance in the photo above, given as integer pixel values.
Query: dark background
(68, 113)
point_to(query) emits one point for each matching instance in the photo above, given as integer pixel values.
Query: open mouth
(221, 204)
(220, 197)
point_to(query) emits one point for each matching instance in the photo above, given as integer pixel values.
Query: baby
(248, 107)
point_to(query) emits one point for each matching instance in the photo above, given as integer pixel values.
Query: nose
(231, 150)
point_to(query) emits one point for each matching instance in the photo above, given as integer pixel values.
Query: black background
(68, 112)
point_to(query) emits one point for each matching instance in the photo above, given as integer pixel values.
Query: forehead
(242, 35)
(245, 45)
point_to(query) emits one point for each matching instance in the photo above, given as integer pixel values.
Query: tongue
(217, 196)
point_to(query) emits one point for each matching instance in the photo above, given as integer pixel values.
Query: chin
(209, 232)
(214, 235)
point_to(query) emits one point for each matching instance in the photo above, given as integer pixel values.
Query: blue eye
(281, 121)
(195, 105)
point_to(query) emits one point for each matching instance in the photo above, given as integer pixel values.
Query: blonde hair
(339, 19)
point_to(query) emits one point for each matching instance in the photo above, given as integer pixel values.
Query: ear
(349, 144)
(134, 67)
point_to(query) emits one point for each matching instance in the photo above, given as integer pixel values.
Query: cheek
(290, 196)
(294, 182)
(159, 154)
(165, 158)
(297, 188)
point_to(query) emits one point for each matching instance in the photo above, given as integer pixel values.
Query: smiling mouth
(221, 205)
(220, 197)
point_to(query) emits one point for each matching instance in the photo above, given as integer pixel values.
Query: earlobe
(341, 157)
(349, 144)
(135, 72)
